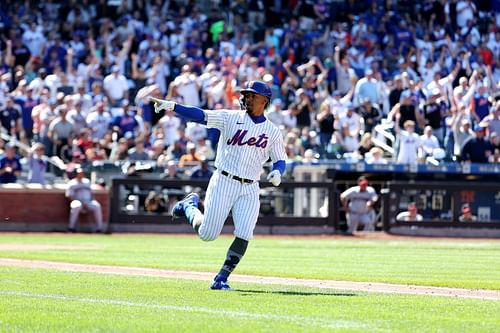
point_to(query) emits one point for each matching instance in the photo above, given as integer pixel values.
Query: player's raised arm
(191, 113)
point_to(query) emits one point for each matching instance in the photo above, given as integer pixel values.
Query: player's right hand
(161, 104)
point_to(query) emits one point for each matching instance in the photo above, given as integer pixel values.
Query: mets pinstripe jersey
(244, 145)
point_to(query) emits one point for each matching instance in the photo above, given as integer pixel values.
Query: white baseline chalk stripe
(297, 320)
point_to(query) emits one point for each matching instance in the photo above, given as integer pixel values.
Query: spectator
(195, 132)
(358, 202)
(367, 89)
(27, 102)
(119, 151)
(138, 153)
(96, 152)
(34, 39)
(60, 131)
(125, 123)
(466, 11)
(447, 46)
(304, 109)
(116, 87)
(462, 130)
(409, 143)
(434, 112)
(350, 118)
(492, 121)
(397, 89)
(429, 144)
(175, 151)
(370, 114)
(365, 144)
(411, 214)
(275, 113)
(10, 118)
(170, 124)
(404, 111)
(348, 141)
(80, 194)
(75, 162)
(480, 105)
(375, 156)
(203, 171)
(495, 141)
(37, 162)
(477, 149)
(76, 117)
(345, 74)
(10, 166)
(191, 158)
(325, 121)
(188, 86)
(99, 121)
(203, 147)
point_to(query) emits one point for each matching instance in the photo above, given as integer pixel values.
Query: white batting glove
(161, 104)
(274, 177)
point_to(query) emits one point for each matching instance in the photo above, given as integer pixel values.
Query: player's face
(255, 104)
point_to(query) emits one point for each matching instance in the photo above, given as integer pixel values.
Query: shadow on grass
(294, 293)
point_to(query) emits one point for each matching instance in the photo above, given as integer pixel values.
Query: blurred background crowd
(379, 81)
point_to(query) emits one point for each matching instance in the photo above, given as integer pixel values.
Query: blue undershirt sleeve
(191, 113)
(280, 166)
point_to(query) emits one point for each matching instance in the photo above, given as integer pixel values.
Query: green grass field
(43, 300)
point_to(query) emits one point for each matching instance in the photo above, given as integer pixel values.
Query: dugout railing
(128, 199)
(441, 204)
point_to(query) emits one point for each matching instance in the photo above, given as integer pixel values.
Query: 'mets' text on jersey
(244, 145)
(239, 139)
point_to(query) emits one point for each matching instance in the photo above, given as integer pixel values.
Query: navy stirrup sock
(233, 257)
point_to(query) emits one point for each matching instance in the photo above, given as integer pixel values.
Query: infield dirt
(205, 276)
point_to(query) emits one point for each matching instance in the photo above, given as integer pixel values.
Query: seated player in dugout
(248, 140)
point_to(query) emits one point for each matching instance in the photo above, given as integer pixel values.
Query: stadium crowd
(379, 81)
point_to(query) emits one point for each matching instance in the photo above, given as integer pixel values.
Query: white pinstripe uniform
(243, 147)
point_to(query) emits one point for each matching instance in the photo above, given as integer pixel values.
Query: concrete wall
(33, 207)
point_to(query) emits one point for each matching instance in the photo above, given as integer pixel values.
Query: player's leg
(95, 207)
(245, 213)
(75, 209)
(220, 196)
(368, 221)
(352, 222)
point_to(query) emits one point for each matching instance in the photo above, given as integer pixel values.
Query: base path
(323, 284)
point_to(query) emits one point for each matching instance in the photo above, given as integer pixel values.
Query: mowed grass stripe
(326, 284)
(307, 321)
(454, 263)
(343, 311)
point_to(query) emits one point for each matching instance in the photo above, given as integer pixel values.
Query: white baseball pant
(76, 207)
(226, 195)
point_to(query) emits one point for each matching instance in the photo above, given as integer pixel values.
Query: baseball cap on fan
(479, 128)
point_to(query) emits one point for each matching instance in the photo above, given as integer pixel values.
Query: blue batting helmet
(258, 87)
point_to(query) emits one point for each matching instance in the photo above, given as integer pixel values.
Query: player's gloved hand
(274, 177)
(161, 104)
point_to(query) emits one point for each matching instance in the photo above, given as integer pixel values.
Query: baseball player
(358, 203)
(79, 192)
(247, 140)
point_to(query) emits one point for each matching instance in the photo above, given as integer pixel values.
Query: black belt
(241, 180)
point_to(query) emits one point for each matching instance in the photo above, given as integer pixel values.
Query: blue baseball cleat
(220, 283)
(191, 199)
